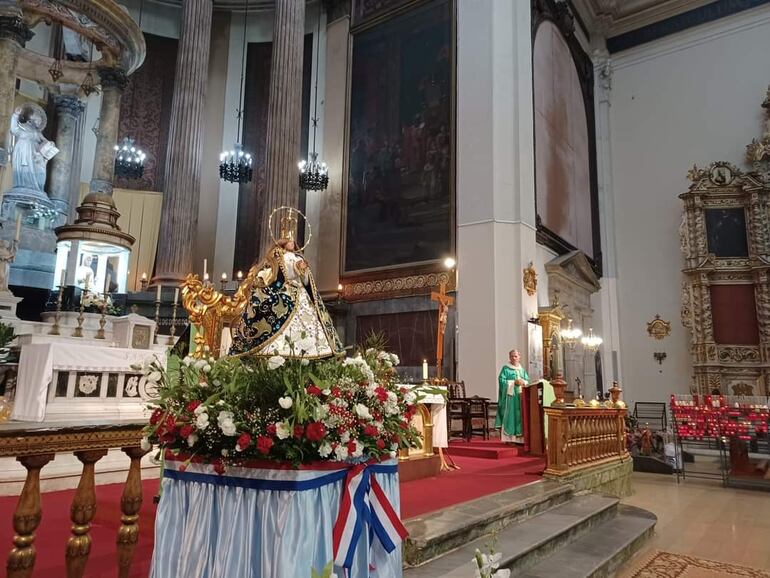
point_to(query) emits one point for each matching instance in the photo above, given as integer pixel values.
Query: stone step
(600, 552)
(526, 543)
(436, 533)
(489, 452)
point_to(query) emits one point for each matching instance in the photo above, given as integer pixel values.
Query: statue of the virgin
(284, 314)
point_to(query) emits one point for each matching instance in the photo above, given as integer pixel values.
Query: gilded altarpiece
(726, 290)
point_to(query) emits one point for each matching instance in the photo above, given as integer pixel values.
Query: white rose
(192, 439)
(202, 421)
(362, 411)
(325, 450)
(394, 359)
(226, 424)
(341, 452)
(146, 445)
(282, 430)
(275, 362)
(285, 402)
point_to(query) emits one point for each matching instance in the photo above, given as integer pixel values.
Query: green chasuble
(509, 406)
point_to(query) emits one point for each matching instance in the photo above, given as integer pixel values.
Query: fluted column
(14, 34)
(68, 111)
(284, 118)
(179, 217)
(113, 81)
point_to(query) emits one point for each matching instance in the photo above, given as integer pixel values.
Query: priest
(510, 381)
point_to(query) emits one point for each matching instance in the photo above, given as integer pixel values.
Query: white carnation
(325, 450)
(341, 452)
(202, 421)
(362, 411)
(192, 439)
(146, 445)
(410, 397)
(282, 430)
(345, 437)
(200, 409)
(226, 424)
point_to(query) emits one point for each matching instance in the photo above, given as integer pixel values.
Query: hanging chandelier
(591, 342)
(235, 166)
(129, 160)
(571, 335)
(314, 175)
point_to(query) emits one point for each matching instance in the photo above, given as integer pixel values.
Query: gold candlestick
(102, 320)
(79, 329)
(57, 315)
(157, 321)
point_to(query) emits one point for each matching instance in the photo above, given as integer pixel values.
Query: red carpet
(477, 477)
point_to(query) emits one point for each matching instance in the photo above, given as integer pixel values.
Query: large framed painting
(399, 190)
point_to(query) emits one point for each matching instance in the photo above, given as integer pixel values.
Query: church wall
(690, 98)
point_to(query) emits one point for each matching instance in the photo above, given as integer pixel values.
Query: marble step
(526, 543)
(436, 533)
(600, 552)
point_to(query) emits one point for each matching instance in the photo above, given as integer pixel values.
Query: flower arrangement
(488, 564)
(95, 302)
(297, 410)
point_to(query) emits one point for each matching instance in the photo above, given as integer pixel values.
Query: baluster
(26, 518)
(81, 513)
(130, 504)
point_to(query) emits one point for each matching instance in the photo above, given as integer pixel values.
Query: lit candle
(205, 268)
(339, 287)
(205, 276)
(425, 369)
(224, 277)
(157, 293)
(144, 276)
(18, 227)
(63, 277)
(176, 295)
(240, 276)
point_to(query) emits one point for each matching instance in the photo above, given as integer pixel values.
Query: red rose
(192, 406)
(382, 395)
(264, 444)
(298, 431)
(156, 415)
(271, 429)
(167, 437)
(186, 430)
(351, 446)
(313, 390)
(219, 466)
(315, 431)
(243, 441)
(380, 444)
(170, 422)
(370, 430)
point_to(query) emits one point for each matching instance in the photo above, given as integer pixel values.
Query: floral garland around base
(230, 410)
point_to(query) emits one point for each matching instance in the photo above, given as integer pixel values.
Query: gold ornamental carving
(658, 328)
(407, 285)
(530, 280)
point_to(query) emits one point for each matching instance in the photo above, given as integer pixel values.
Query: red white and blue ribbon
(364, 505)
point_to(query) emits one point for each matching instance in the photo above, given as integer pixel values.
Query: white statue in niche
(7, 255)
(31, 150)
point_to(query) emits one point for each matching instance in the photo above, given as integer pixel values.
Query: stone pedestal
(284, 111)
(179, 217)
(8, 303)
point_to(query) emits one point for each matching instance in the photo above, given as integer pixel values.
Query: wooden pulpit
(532, 418)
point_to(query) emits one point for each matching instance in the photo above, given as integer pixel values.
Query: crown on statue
(288, 226)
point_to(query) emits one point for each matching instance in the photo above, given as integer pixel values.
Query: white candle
(107, 283)
(157, 293)
(425, 369)
(144, 276)
(224, 276)
(240, 275)
(18, 227)
(176, 295)
(205, 268)
(63, 277)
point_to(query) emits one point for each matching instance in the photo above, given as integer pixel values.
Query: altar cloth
(244, 524)
(38, 361)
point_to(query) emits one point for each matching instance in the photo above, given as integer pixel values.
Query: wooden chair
(458, 408)
(478, 409)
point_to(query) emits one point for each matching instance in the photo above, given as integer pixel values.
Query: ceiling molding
(232, 5)
(613, 17)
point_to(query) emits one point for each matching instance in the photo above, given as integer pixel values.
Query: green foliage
(6, 334)
(325, 573)
(374, 340)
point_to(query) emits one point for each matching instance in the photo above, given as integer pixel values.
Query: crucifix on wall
(444, 303)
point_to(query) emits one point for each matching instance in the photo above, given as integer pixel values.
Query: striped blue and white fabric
(261, 522)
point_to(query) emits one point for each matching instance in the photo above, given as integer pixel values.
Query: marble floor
(701, 518)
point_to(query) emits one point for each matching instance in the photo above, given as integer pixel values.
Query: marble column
(14, 34)
(495, 187)
(179, 216)
(68, 111)
(284, 110)
(113, 81)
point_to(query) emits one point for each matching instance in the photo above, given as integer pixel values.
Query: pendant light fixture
(314, 175)
(235, 166)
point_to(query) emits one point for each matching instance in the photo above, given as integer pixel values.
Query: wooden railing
(34, 447)
(579, 438)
